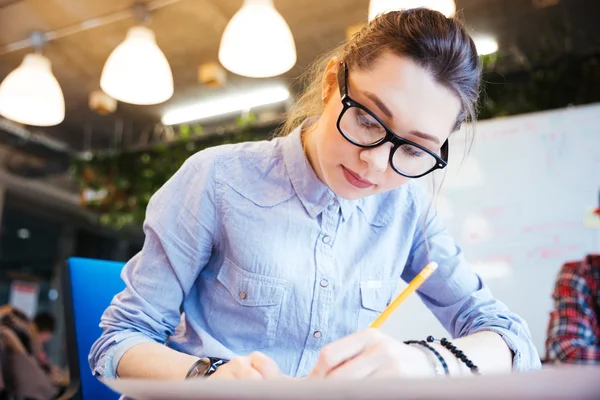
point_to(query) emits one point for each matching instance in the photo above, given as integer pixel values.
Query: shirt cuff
(107, 368)
(526, 357)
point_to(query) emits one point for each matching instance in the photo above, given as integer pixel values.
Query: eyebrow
(425, 136)
(379, 104)
(389, 114)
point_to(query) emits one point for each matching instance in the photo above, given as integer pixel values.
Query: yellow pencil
(412, 286)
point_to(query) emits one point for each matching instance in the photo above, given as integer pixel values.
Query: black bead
(444, 341)
(459, 353)
(464, 358)
(430, 339)
(469, 363)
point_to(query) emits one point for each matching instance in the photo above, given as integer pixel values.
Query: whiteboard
(516, 206)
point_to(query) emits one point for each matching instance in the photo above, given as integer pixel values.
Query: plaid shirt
(574, 327)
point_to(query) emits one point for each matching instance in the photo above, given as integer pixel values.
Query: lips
(355, 179)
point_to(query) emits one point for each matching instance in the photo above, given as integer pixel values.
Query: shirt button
(326, 239)
(324, 282)
(317, 334)
(242, 295)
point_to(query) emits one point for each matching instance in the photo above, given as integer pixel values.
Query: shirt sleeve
(571, 337)
(456, 295)
(179, 235)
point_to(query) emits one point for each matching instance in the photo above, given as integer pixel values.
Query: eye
(366, 120)
(413, 151)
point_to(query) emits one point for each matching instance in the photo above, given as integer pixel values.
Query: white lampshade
(31, 94)
(257, 42)
(446, 7)
(485, 45)
(137, 71)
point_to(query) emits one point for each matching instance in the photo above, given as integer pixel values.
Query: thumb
(267, 367)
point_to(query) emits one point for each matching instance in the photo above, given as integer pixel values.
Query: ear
(329, 83)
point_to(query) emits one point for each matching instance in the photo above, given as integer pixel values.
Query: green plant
(552, 76)
(569, 80)
(119, 185)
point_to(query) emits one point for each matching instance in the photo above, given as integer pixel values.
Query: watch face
(200, 368)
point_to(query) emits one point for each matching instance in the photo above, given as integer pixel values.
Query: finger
(241, 368)
(359, 367)
(265, 365)
(248, 373)
(232, 368)
(343, 350)
(224, 372)
(236, 363)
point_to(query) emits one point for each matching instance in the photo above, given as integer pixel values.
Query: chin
(355, 196)
(349, 194)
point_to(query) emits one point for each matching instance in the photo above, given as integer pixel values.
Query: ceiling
(189, 31)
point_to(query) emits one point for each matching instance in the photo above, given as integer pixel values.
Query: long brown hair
(440, 45)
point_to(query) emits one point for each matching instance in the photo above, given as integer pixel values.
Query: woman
(282, 253)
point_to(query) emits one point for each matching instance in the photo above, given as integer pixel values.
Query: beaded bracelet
(457, 353)
(435, 352)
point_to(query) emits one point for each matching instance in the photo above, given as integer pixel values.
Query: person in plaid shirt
(574, 327)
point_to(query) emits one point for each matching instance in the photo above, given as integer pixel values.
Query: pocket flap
(376, 294)
(269, 187)
(249, 289)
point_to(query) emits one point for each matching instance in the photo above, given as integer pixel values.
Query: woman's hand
(372, 354)
(255, 366)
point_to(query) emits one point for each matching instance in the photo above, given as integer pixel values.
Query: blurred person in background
(44, 323)
(574, 327)
(22, 372)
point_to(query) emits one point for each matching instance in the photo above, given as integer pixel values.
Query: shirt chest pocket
(375, 296)
(246, 308)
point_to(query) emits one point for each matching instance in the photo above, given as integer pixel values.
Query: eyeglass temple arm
(445, 151)
(342, 78)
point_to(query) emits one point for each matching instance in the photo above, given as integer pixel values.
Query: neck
(308, 139)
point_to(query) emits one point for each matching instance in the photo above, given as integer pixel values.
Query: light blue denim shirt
(261, 255)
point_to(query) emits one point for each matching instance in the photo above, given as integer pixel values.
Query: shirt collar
(314, 194)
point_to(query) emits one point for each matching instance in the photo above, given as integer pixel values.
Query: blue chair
(88, 286)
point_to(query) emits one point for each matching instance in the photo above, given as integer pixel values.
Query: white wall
(516, 206)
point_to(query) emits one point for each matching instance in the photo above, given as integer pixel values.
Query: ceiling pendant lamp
(31, 94)
(485, 45)
(376, 7)
(257, 42)
(137, 71)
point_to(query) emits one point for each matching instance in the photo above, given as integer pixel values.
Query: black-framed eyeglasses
(361, 127)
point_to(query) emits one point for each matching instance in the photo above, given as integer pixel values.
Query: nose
(377, 158)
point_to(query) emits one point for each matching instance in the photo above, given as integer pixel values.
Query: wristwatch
(204, 367)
